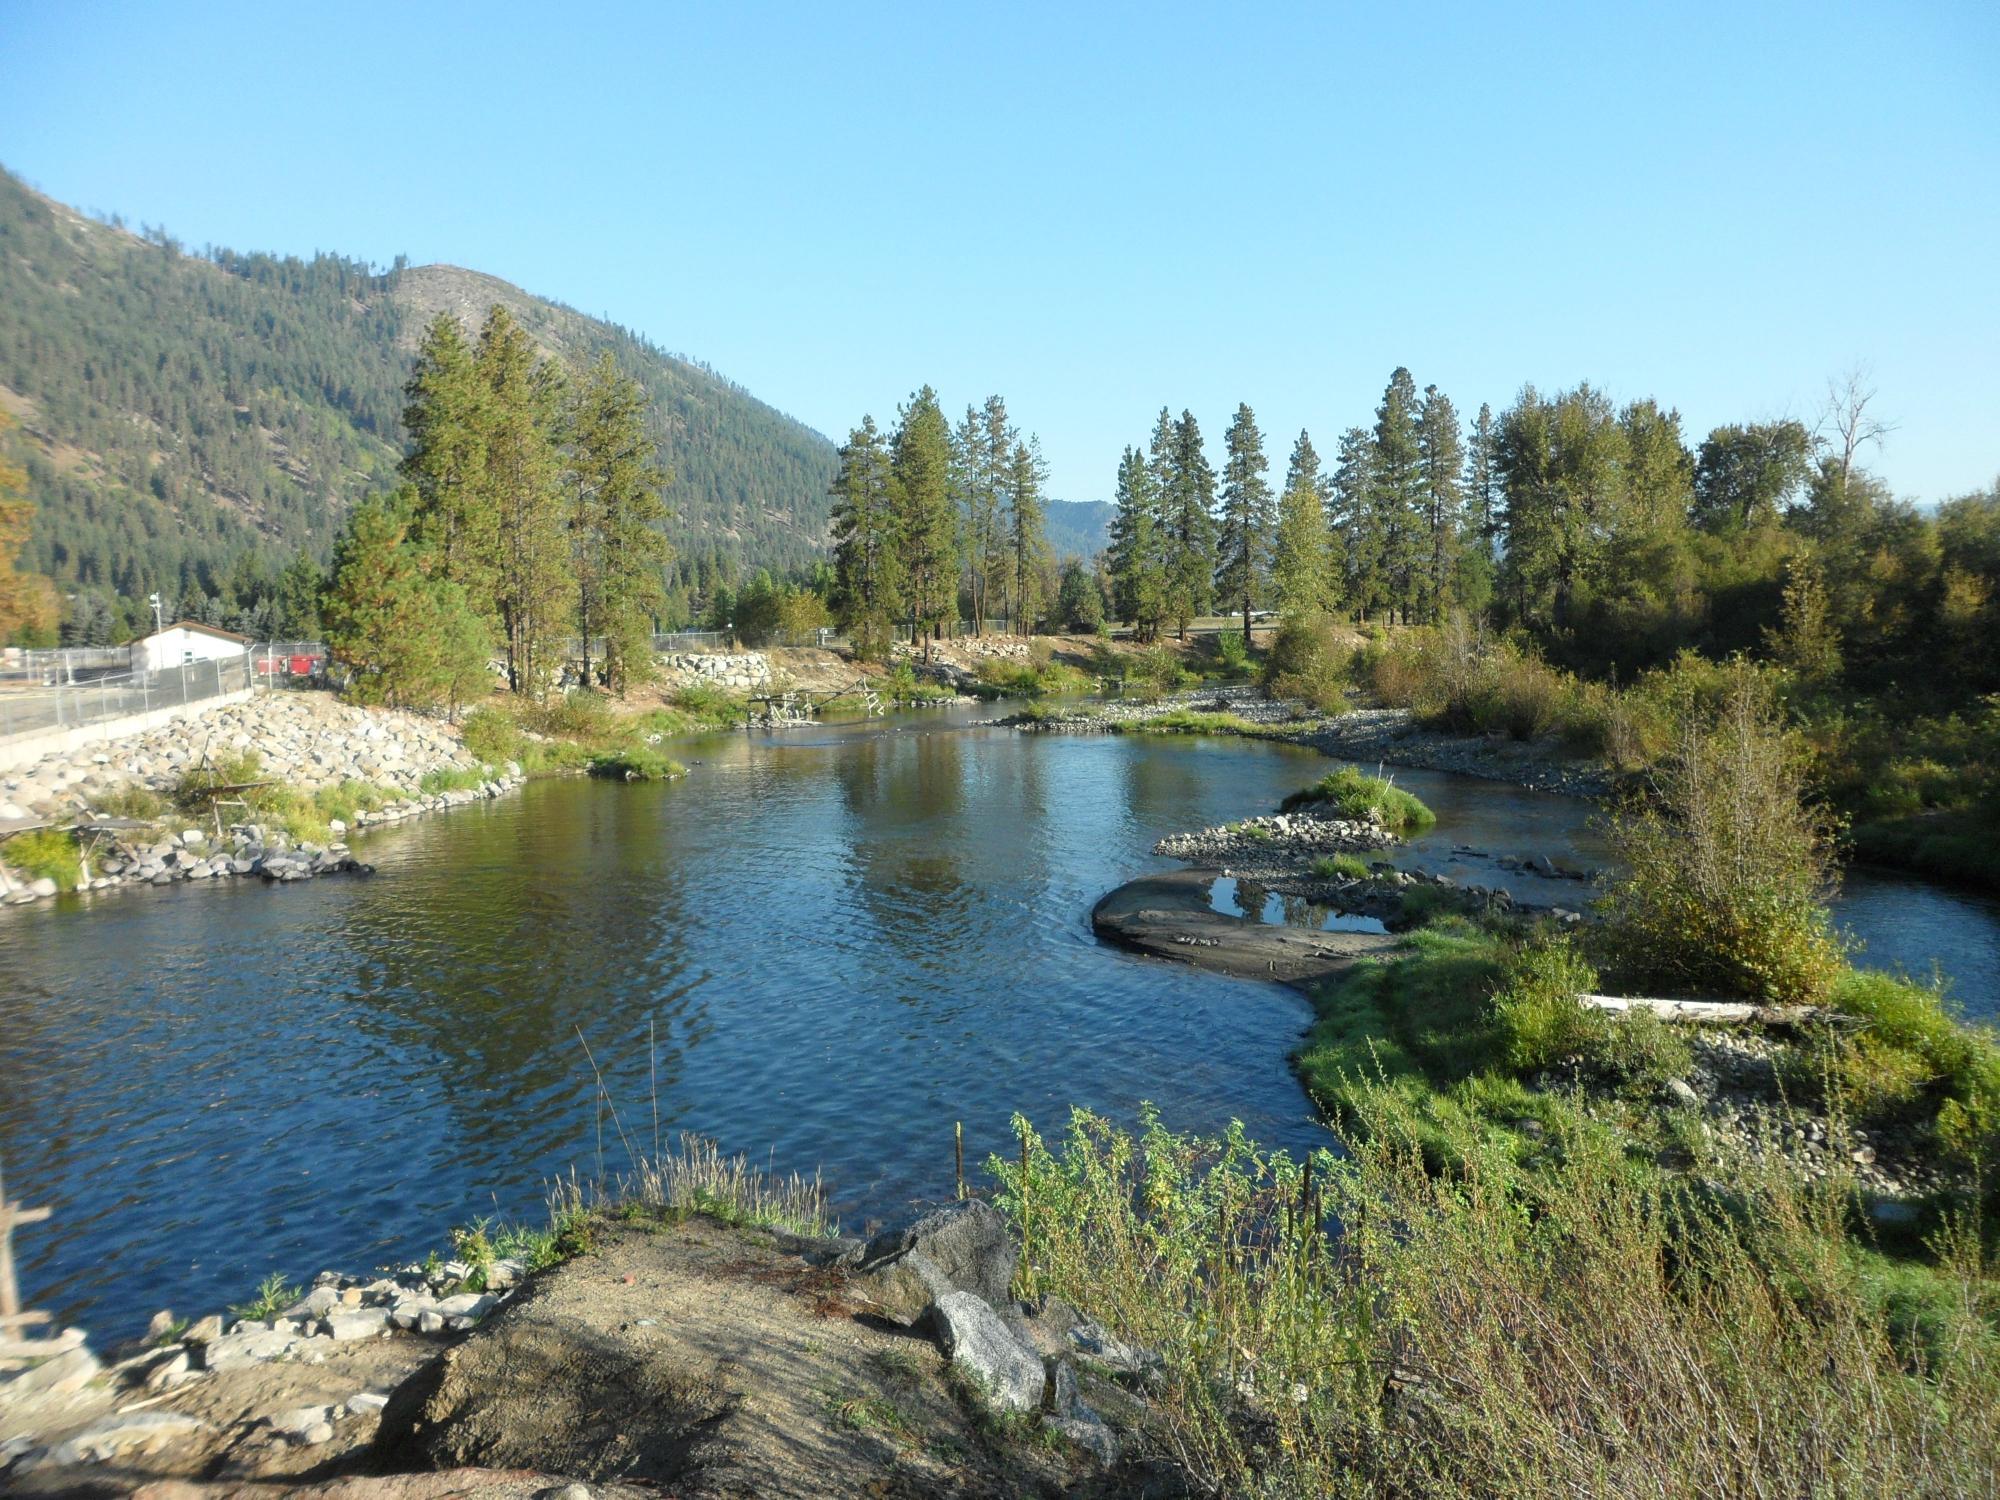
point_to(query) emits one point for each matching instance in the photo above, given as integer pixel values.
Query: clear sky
(1095, 210)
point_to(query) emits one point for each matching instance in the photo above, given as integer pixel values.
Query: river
(822, 948)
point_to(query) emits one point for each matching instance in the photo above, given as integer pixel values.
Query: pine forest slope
(182, 415)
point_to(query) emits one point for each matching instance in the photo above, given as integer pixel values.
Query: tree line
(530, 515)
(935, 521)
(1594, 529)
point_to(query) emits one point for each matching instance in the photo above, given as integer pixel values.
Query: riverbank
(295, 772)
(638, 1344)
(1364, 735)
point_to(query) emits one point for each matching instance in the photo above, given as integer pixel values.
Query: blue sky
(1096, 210)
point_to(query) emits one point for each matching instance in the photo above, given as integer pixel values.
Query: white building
(184, 642)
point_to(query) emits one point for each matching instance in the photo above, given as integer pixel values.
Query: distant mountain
(184, 415)
(1079, 528)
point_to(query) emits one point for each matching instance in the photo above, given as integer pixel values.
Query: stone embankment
(737, 671)
(1363, 735)
(1286, 837)
(673, 1354)
(300, 740)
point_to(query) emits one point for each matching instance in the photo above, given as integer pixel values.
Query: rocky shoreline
(303, 740)
(661, 1349)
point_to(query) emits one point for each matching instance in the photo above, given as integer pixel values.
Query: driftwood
(1704, 1012)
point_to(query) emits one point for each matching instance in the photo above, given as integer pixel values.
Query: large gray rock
(972, 1335)
(969, 1243)
(234, 1350)
(115, 1435)
(346, 1323)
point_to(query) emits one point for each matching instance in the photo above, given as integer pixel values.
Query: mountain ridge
(185, 417)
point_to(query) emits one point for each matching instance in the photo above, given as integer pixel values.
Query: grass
(1568, 1326)
(1341, 866)
(695, 1177)
(1002, 678)
(272, 1297)
(452, 779)
(1196, 721)
(639, 764)
(130, 801)
(1355, 794)
(45, 854)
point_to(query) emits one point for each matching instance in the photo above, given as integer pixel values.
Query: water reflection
(825, 947)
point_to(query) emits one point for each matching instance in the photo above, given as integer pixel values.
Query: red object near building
(303, 666)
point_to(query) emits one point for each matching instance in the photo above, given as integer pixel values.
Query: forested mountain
(189, 421)
(1078, 528)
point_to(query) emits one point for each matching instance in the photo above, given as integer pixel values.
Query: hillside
(1078, 528)
(187, 415)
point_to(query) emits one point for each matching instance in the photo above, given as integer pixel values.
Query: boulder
(252, 1346)
(107, 1439)
(1089, 1434)
(969, 1243)
(347, 1323)
(972, 1335)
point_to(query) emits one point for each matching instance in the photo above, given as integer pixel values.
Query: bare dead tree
(1844, 420)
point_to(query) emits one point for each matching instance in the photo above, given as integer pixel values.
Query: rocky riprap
(737, 671)
(301, 739)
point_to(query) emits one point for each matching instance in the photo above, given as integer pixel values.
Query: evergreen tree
(1396, 494)
(1185, 487)
(926, 533)
(532, 588)
(982, 453)
(1440, 458)
(618, 547)
(456, 517)
(1355, 523)
(1562, 470)
(1079, 601)
(1302, 565)
(1482, 480)
(408, 640)
(1244, 544)
(1027, 546)
(868, 591)
(1138, 574)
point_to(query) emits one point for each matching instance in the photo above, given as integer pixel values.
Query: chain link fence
(118, 695)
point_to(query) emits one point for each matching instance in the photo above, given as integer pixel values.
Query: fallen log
(1704, 1012)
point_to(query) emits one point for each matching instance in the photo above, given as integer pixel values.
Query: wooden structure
(13, 1318)
(789, 709)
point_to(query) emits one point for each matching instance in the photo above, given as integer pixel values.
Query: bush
(1158, 666)
(1536, 1007)
(582, 715)
(1355, 794)
(130, 801)
(492, 735)
(1911, 1055)
(45, 854)
(1728, 868)
(1308, 662)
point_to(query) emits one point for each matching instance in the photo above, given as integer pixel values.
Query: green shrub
(45, 854)
(1536, 1008)
(192, 788)
(130, 801)
(492, 735)
(1355, 794)
(1000, 678)
(1232, 652)
(581, 715)
(710, 707)
(1157, 665)
(1901, 1052)
(1308, 662)
(1195, 721)
(1727, 865)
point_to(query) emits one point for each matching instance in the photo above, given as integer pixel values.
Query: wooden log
(1704, 1012)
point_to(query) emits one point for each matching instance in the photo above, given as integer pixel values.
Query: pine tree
(1138, 575)
(982, 452)
(408, 640)
(868, 591)
(532, 588)
(1185, 486)
(446, 418)
(619, 551)
(1243, 548)
(1440, 458)
(926, 530)
(1482, 481)
(1355, 522)
(1027, 546)
(1302, 565)
(1396, 493)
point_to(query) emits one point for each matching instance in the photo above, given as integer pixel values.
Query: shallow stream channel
(823, 948)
